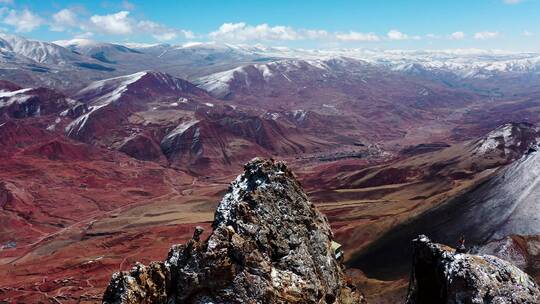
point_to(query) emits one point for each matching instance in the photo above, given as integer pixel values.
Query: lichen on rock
(269, 245)
(440, 275)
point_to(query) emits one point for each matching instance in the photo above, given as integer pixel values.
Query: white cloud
(161, 32)
(485, 35)
(397, 35)
(165, 36)
(120, 23)
(117, 24)
(316, 34)
(453, 36)
(527, 33)
(356, 36)
(84, 35)
(23, 21)
(188, 34)
(243, 32)
(457, 35)
(65, 18)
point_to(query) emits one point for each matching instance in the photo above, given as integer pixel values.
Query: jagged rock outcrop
(508, 142)
(440, 275)
(269, 245)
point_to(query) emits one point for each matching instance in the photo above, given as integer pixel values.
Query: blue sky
(393, 24)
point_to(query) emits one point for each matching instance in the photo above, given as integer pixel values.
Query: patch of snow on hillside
(503, 135)
(119, 84)
(76, 126)
(180, 129)
(18, 98)
(271, 115)
(299, 115)
(218, 83)
(265, 70)
(13, 93)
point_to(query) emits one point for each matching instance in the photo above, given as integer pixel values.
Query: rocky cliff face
(440, 275)
(269, 245)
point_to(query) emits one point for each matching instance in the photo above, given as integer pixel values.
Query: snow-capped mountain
(141, 85)
(54, 64)
(112, 100)
(35, 63)
(104, 52)
(38, 51)
(463, 62)
(282, 71)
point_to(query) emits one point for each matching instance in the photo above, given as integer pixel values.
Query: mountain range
(109, 150)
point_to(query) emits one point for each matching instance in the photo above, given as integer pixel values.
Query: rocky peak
(441, 275)
(269, 245)
(510, 140)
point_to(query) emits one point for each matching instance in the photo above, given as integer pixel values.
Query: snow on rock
(175, 138)
(180, 129)
(501, 136)
(271, 115)
(41, 52)
(110, 90)
(440, 275)
(299, 115)
(269, 244)
(78, 125)
(15, 97)
(218, 84)
(32, 102)
(4, 94)
(511, 140)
